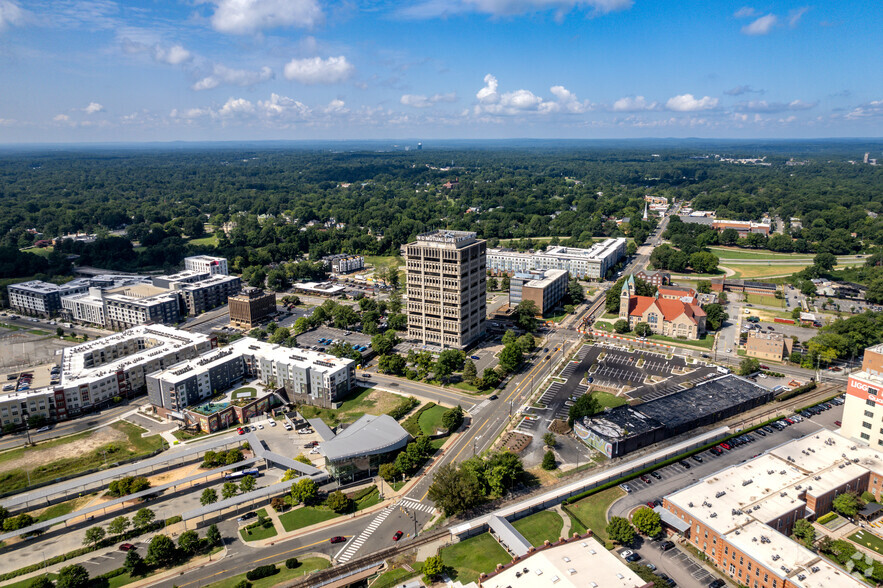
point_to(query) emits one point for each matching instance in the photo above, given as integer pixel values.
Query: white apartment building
(92, 373)
(592, 263)
(206, 264)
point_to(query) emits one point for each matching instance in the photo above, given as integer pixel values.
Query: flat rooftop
(138, 291)
(306, 358)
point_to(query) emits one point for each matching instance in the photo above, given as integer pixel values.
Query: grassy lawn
(706, 342)
(602, 326)
(211, 240)
(62, 508)
(542, 526)
(253, 532)
(41, 470)
(384, 260)
(592, 511)
(763, 271)
(431, 420)
(397, 576)
(867, 539)
(466, 387)
(305, 516)
(557, 316)
(756, 254)
(610, 316)
(27, 582)
(369, 500)
(361, 401)
(474, 556)
(608, 400)
(764, 300)
(307, 565)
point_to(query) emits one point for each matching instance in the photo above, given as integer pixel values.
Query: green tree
(304, 490)
(549, 440)
(492, 284)
(824, 261)
(209, 496)
(449, 361)
(848, 504)
(454, 490)
(469, 371)
(213, 535)
(647, 522)
(526, 343)
(118, 526)
(41, 582)
(620, 530)
(704, 262)
(504, 283)
(229, 490)
(749, 365)
(143, 518)
(585, 405)
(393, 364)
(134, 563)
(575, 291)
(804, 532)
(301, 325)
(381, 344)
(161, 551)
(452, 419)
(189, 541)
(510, 357)
(247, 484)
(703, 287)
(642, 329)
(526, 315)
(93, 536)
(433, 568)
(621, 326)
(74, 576)
(549, 461)
(338, 502)
(715, 316)
(389, 472)
(509, 337)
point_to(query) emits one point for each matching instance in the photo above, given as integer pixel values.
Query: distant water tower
(419, 146)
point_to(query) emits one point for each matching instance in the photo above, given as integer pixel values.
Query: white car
(260, 426)
(626, 553)
(272, 423)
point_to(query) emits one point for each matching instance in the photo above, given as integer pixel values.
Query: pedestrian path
(350, 549)
(416, 505)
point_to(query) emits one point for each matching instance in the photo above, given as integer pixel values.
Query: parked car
(646, 479)
(666, 545)
(656, 475)
(838, 423)
(625, 553)
(684, 464)
(717, 583)
(697, 459)
(246, 516)
(626, 488)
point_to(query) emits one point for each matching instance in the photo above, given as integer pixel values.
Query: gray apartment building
(446, 275)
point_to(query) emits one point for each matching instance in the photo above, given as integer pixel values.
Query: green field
(384, 260)
(360, 402)
(608, 400)
(307, 565)
(474, 556)
(431, 420)
(764, 300)
(42, 470)
(592, 511)
(254, 533)
(305, 516)
(27, 582)
(397, 576)
(210, 241)
(757, 254)
(867, 539)
(41, 251)
(543, 526)
(707, 342)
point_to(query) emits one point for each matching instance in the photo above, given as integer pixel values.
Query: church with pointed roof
(672, 312)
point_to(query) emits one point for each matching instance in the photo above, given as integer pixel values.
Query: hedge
(172, 520)
(262, 572)
(403, 407)
(291, 563)
(796, 392)
(412, 423)
(825, 518)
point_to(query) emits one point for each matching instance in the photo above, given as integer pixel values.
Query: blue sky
(105, 70)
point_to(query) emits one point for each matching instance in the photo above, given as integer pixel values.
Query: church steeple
(628, 289)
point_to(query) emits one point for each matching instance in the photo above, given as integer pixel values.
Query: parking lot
(312, 339)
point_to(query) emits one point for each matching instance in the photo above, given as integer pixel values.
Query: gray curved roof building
(370, 435)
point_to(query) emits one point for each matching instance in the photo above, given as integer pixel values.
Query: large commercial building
(740, 518)
(624, 429)
(93, 373)
(250, 307)
(446, 288)
(592, 263)
(545, 288)
(123, 311)
(863, 409)
(344, 264)
(206, 264)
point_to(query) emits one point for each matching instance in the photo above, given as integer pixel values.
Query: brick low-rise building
(250, 307)
(545, 288)
(771, 346)
(672, 312)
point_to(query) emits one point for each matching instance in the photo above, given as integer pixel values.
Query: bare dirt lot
(39, 456)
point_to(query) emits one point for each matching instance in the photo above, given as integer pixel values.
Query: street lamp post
(24, 416)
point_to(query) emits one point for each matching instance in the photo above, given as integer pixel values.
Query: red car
(397, 536)
(126, 547)
(726, 445)
(838, 423)
(338, 539)
(646, 479)
(240, 431)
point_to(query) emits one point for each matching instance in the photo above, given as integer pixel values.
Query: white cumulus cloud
(235, 106)
(279, 105)
(93, 108)
(61, 118)
(867, 110)
(687, 103)
(633, 104)
(173, 55)
(222, 74)
(10, 14)
(489, 92)
(491, 101)
(242, 17)
(764, 106)
(761, 26)
(315, 70)
(422, 101)
(437, 8)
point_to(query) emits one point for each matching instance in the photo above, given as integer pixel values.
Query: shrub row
(403, 408)
(262, 572)
(797, 391)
